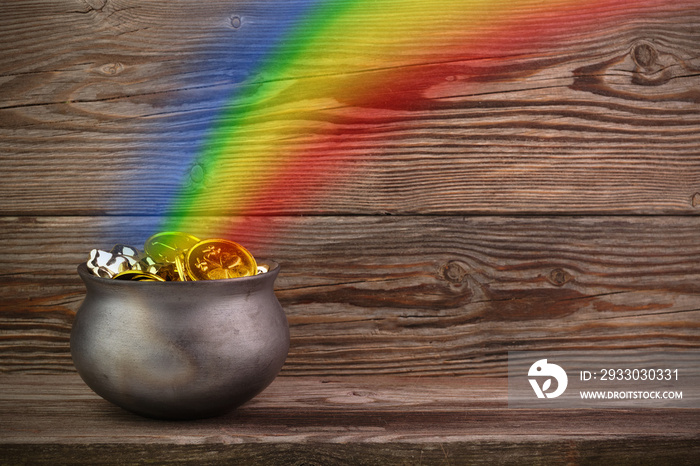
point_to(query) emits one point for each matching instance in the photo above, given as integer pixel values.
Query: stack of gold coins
(175, 256)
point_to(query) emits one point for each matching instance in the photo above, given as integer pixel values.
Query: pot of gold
(185, 329)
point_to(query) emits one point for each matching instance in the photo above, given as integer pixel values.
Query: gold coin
(214, 259)
(180, 267)
(167, 245)
(138, 275)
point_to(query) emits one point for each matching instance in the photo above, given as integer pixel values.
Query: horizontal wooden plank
(396, 295)
(112, 109)
(369, 420)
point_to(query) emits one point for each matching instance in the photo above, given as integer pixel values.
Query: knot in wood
(645, 55)
(453, 272)
(112, 69)
(197, 173)
(559, 277)
(95, 5)
(197, 178)
(695, 200)
(236, 22)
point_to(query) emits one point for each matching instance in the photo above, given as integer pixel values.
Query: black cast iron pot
(179, 350)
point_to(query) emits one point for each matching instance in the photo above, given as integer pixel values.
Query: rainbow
(314, 110)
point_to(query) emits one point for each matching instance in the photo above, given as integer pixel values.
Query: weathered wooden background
(556, 208)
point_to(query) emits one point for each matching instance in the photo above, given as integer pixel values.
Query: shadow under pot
(179, 350)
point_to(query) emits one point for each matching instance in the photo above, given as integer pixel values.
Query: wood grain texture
(592, 128)
(114, 98)
(398, 295)
(380, 420)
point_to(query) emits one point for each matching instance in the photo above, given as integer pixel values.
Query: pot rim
(272, 272)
